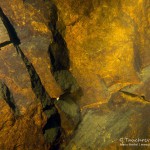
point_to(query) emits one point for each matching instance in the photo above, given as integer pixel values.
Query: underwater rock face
(107, 42)
(106, 128)
(105, 68)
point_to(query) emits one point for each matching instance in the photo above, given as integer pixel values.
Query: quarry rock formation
(79, 77)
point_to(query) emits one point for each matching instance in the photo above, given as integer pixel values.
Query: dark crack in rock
(8, 97)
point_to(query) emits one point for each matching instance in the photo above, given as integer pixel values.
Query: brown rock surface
(17, 130)
(20, 76)
(13, 72)
(31, 26)
(108, 75)
(107, 42)
(3, 31)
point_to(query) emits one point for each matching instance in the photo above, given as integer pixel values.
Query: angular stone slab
(15, 75)
(3, 33)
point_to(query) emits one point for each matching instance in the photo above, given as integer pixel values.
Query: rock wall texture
(93, 55)
(108, 44)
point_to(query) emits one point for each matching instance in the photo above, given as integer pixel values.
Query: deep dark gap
(52, 122)
(8, 97)
(58, 51)
(60, 62)
(5, 43)
(10, 29)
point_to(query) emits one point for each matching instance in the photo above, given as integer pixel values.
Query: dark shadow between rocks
(8, 97)
(10, 29)
(60, 63)
(59, 56)
(5, 44)
(58, 51)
